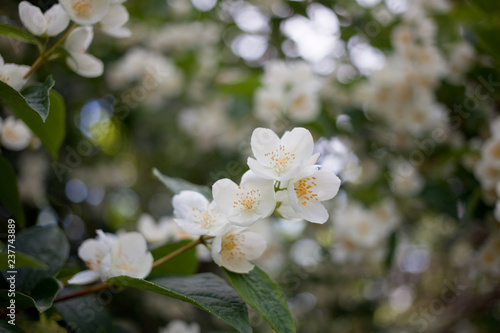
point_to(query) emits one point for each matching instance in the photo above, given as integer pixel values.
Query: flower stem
(179, 251)
(44, 56)
(88, 290)
(105, 285)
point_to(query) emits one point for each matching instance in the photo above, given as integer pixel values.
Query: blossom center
(280, 159)
(231, 247)
(304, 190)
(249, 200)
(82, 7)
(205, 218)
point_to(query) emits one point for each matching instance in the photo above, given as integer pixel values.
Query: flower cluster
(109, 15)
(282, 174)
(109, 255)
(289, 90)
(361, 233)
(402, 93)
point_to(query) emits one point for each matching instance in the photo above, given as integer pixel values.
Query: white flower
(108, 256)
(52, 23)
(307, 190)
(13, 74)
(243, 205)
(179, 326)
(234, 249)
(15, 135)
(196, 215)
(156, 233)
(92, 252)
(86, 12)
(129, 256)
(79, 60)
(113, 23)
(280, 159)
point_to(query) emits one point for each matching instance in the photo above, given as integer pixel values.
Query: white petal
(224, 192)
(92, 252)
(196, 216)
(328, 184)
(216, 248)
(262, 141)
(314, 212)
(15, 134)
(13, 75)
(113, 22)
(86, 12)
(85, 64)
(32, 18)
(131, 245)
(245, 204)
(79, 39)
(84, 277)
(300, 141)
(237, 249)
(121, 32)
(57, 20)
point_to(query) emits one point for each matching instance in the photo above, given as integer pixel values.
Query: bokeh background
(401, 97)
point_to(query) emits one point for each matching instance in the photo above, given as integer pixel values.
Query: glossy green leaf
(41, 297)
(10, 31)
(44, 293)
(84, 314)
(264, 295)
(9, 194)
(207, 291)
(176, 185)
(184, 264)
(47, 244)
(42, 110)
(22, 260)
(37, 96)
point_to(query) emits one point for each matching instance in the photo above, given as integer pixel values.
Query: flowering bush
(212, 166)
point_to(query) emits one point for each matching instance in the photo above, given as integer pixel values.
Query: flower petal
(86, 12)
(13, 75)
(314, 212)
(85, 64)
(57, 20)
(79, 39)
(113, 23)
(328, 184)
(84, 277)
(32, 18)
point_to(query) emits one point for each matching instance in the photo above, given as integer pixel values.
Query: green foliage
(207, 291)
(34, 107)
(84, 314)
(48, 245)
(44, 293)
(9, 194)
(184, 264)
(18, 34)
(176, 185)
(22, 260)
(264, 295)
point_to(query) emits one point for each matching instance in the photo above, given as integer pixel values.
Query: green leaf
(44, 293)
(9, 328)
(42, 111)
(176, 185)
(84, 314)
(184, 264)
(16, 33)
(41, 297)
(47, 244)
(264, 295)
(9, 194)
(22, 260)
(37, 96)
(207, 291)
